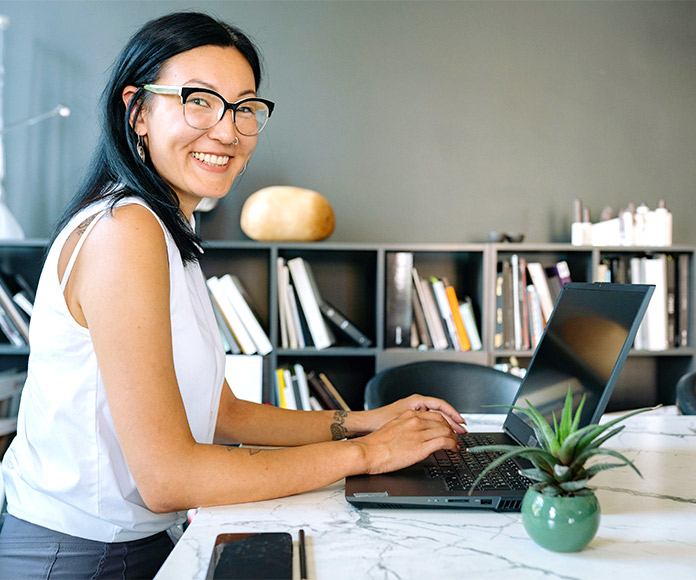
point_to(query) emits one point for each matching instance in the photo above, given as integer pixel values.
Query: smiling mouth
(208, 159)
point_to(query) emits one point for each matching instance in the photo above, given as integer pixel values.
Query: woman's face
(179, 152)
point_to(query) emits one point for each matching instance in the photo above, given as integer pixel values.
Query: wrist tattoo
(338, 431)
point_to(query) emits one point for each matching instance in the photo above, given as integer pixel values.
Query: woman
(125, 392)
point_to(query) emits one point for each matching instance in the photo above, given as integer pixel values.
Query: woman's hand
(383, 415)
(408, 438)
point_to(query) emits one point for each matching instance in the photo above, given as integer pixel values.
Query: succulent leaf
(573, 486)
(537, 474)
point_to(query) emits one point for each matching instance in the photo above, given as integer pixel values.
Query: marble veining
(647, 530)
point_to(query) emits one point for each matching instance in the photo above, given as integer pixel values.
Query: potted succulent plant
(559, 511)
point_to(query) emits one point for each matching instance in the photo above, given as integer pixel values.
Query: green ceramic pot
(560, 524)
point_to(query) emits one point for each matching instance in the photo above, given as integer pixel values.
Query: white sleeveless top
(65, 469)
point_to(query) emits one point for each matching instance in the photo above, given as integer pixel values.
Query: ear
(138, 123)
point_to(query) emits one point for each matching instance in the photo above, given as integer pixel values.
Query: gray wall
(419, 121)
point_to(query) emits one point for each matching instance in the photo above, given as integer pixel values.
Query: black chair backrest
(468, 387)
(686, 394)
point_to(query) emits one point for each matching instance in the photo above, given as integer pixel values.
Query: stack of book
(525, 294)
(240, 328)
(306, 319)
(306, 391)
(426, 313)
(16, 304)
(666, 322)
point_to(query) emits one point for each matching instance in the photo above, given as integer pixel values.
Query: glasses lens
(251, 117)
(203, 110)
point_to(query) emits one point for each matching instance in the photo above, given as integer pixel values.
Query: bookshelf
(352, 277)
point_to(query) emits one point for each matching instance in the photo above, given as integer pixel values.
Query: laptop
(584, 346)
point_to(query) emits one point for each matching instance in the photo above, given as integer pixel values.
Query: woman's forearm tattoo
(338, 431)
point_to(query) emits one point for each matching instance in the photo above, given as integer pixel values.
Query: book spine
(453, 301)
(232, 286)
(342, 323)
(445, 312)
(683, 299)
(399, 310)
(310, 307)
(432, 319)
(232, 318)
(466, 309)
(538, 277)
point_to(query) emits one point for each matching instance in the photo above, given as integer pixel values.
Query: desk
(647, 530)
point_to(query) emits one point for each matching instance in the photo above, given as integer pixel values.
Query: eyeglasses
(204, 108)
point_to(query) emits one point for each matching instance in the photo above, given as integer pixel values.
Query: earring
(236, 141)
(243, 170)
(140, 147)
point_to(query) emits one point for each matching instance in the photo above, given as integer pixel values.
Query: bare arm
(124, 301)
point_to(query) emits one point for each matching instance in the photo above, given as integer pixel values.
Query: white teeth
(211, 159)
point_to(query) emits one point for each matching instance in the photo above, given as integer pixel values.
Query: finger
(447, 410)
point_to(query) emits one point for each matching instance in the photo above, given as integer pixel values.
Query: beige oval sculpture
(287, 214)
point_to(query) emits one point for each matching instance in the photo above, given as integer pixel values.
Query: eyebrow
(207, 85)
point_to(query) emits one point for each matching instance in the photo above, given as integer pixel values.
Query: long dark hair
(116, 159)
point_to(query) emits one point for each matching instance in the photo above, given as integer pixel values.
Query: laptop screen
(584, 346)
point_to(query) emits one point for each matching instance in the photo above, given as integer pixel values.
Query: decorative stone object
(287, 214)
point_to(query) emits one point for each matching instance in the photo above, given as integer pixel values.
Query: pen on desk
(303, 557)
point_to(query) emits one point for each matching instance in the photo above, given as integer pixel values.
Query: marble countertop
(648, 526)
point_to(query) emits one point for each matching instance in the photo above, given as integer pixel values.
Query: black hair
(116, 160)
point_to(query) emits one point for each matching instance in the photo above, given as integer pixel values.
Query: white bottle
(640, 237)
(663, 225)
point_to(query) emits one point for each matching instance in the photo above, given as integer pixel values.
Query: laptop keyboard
(459, 469)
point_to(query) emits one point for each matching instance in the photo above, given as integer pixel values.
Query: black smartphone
(256, 556)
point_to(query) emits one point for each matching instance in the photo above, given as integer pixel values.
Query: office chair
(468, 387)
(686, 394)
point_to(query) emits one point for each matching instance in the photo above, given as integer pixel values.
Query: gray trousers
(36, 553)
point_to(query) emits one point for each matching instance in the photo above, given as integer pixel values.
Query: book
(9, 330)
(508, 300)
(284, 317)
(671, 301)
(236, 294)
(343, 324)
(683, 299)
(334, 392)
(516, 305)
(399, 309)
(466, 310)
(524, 306)
(280, 388)
(538, 278)
(655, 272)
(536, 318)
(16, 318)
(228, 339)
(244, 375)
(289, 390)
(241, 334)
(424, 339)
(303, 386)
(300, 273)
(445, 312)
(432, 319)
(297, 336)
(462, 335)
(638, 277)
(21, 292)
(499, 322)
(318, 388)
